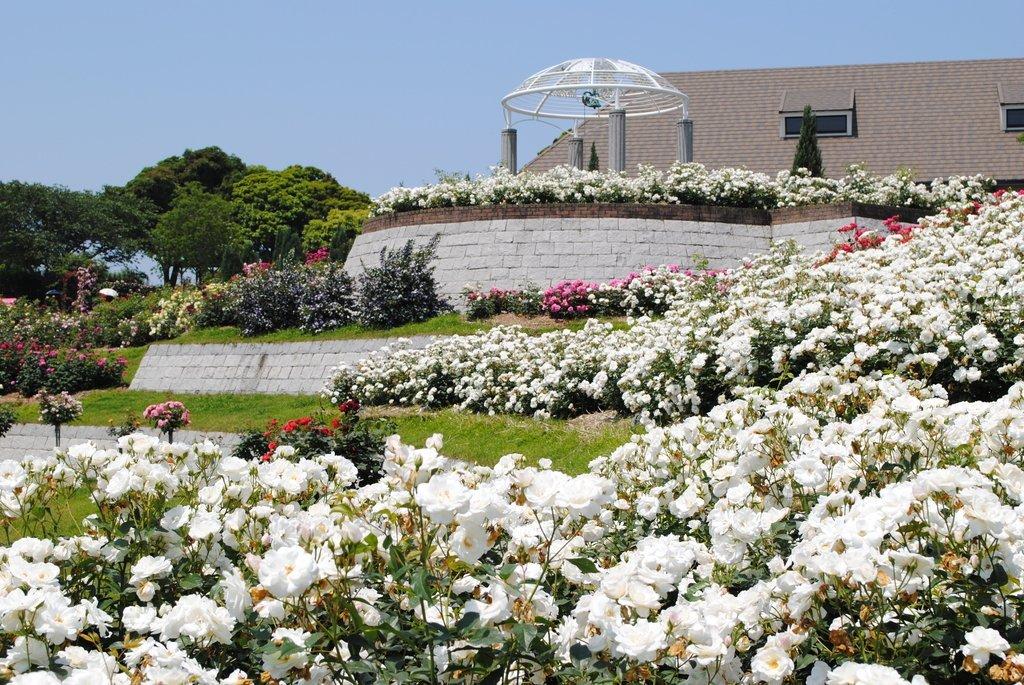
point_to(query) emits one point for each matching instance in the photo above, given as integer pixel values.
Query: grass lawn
(133, 355)
(446, 324)
(475, 437)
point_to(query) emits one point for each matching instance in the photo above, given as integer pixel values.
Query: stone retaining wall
(36, 439)
(509, 245)
(299, 368)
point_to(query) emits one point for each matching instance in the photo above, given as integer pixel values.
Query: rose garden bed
(829, 490)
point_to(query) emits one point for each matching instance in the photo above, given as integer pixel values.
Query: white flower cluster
(843, 529)
(946, 305)
(691, 184)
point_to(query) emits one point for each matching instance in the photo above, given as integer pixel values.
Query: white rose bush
(844, 528)
(829, 489)
(688, 184)
(942, 302)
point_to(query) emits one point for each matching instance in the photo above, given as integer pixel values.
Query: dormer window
(1013, 117)
(833, 111)
(827, 124)
(1011, 105)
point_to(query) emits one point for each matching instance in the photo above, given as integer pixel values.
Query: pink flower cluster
(167, 416)
(863, 238)
(492, 294)
(255, 267)
(568, 299)
(321, 254)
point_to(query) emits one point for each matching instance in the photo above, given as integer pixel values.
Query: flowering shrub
(402, 288)
(176, 313)
(691, 184)
(843, 529)
(122, 322)
(321, 254)
(30, 368)
(862, 238)
(485, 304)
(327, 298)
(343, 434)
(85, 281)
(940, 307)
(648, 292)
(569, 299)
(58, 409)
(265, 299)
(167, 417)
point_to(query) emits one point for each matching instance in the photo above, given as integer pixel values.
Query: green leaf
(999, 577)
(191, 581)
(466, 620)
(585, 565)
(579, 652)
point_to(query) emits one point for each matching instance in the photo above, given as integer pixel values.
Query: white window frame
(1002, 110)
(825, 112)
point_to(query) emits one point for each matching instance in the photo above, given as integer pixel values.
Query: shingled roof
(937, 118)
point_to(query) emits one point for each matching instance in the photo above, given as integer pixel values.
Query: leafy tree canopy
(193, 234)
(44, 229)
(212, 168)
(267, 201)
(321, 232)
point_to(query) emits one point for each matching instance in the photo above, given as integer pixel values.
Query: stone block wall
(506, 246)
(299, 368)
(32, 439)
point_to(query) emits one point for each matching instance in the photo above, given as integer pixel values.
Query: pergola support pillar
(617, 140)
(508, 150)
(684, 128)
(576, 152)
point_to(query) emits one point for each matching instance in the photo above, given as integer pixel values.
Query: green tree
(325, 232)
(212, 168)
(193, 234)
(44, 229)
(593, 163)
(267, 201)
(808, 154)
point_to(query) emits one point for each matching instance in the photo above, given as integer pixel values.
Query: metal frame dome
(558, 92)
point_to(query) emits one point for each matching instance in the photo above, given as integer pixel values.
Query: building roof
(937, 118)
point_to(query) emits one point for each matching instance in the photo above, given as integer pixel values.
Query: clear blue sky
(383, 93)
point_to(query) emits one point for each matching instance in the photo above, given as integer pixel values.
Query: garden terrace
(506, 245)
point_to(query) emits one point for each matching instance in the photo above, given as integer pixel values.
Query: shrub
(692, 184)
(326, 299)
(344, 434)
(37, 368)
(569, 299)
(7, 418)
(266, 299)
(168, 417)
(402, 288)
(485, 304)
(122, 322)
(178, 312)
(913, 305)
(217, 307)
(844, 528)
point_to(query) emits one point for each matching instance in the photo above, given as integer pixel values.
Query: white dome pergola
(595, 88)
(562, 91)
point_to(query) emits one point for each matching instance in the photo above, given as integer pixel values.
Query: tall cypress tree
(808, 155)
(593, 163)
